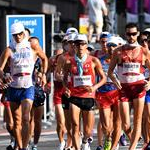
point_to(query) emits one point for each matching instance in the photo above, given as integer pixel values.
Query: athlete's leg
(88, 123)
(75, 116)
(60, 122)
(106, 122)
(26, 106)
(99, 131)
(125, 118)
(38, 113)
(68, 127)
(146, 124)
(138, 106)
(31, 123)
(116, 125)
(16, 114)
(9, 120)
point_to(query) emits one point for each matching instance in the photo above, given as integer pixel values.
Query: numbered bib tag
(131, 68)
(82, 80)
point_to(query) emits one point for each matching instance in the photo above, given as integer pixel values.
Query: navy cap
(105, 35)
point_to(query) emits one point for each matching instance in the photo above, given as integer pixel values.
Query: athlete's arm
(66, 71)
(3, 60)
(112, 65)
(59, 68)
(38, 52)
(99, 71)
(97, 67)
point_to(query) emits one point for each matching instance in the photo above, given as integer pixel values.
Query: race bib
(82, 80)
(131, 68)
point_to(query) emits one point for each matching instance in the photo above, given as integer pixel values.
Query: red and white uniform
(130, 73)
(78, 82)
(130, 69)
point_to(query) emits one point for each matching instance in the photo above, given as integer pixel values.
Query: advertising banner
(35, 23)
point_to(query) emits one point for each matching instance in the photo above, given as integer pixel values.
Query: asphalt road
(49, 140)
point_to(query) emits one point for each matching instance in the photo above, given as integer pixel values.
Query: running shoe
(123, 140)
(90, 139)
(147, 147)
(117, 147)
(68, 148)
(9, 147)
(61, 146)
(85, 146)
(107, 145)
(99, 147)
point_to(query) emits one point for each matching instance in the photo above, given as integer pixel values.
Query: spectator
(96, 10)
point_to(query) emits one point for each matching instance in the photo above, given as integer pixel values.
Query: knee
(75, 126)
(25, 119)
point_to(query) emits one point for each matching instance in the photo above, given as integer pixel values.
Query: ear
(138, 33)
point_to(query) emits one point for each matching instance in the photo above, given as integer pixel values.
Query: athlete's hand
(43, 81)
(8, 78)
(67, 92)
(118, 85)
(47, 88)
(89, 89)
(147, 85)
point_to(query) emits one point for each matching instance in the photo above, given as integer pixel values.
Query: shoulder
(34, 42)
(94, 59)
(145, 50)
(7, 51)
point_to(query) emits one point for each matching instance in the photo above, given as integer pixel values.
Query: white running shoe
(61, 146)
(68, 148)
(86, 146)
(117, 147)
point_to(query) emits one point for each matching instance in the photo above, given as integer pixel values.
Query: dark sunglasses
(131, 34)
(18, 34)
(111, 44)
(80, 43)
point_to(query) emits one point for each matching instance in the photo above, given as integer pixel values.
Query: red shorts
(58, 96)
(132, 91)
(107, 99)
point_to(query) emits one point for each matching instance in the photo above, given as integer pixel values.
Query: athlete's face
(19, 37)
(81, 48)
(132, 35)
(103, 43)
(70, 46)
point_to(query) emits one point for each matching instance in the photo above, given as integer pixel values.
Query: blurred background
(69, 13)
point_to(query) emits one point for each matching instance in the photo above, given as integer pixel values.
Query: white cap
(147, 30)
(114, 40)
(71, 30)
(121, 40)
(90, 46)
(71, 37)
(65, 38)
(81, 37)
(17, 28)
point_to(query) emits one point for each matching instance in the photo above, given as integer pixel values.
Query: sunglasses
(80, 43)
(20, 34)
(131, 34)
(111, 44)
